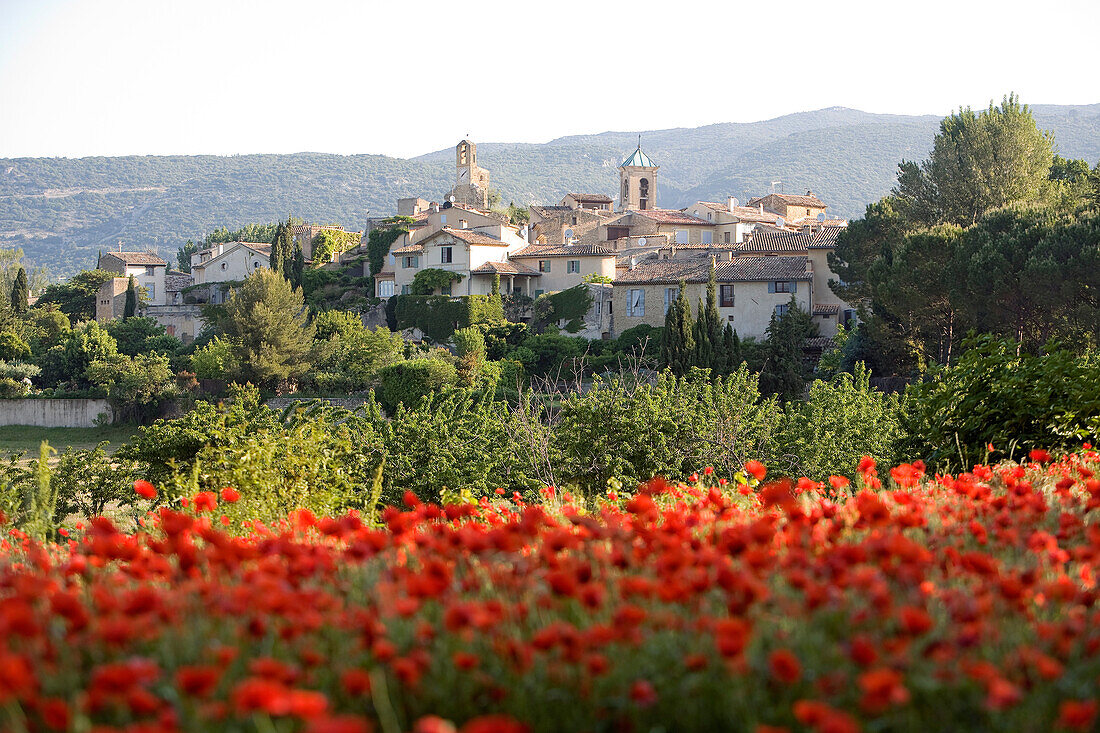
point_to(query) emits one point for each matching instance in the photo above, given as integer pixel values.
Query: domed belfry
(638, 182)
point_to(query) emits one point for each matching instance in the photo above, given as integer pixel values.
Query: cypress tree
(131, 299)
(275, 260)
(709, 346)
(19, 292)
(677, 339)
(297, 266)
(731, 347)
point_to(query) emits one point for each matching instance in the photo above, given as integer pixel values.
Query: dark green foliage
(979, 162)
(265, 320)
(431, 279)
(381, 239)
(784, 371)
(328, 243)
(142, 336)
(282, 250)
(130, 308)
(711, 346)
(12, 347)
(408, 382)
(76, 297)
(570, 306)
(183, 255)
(68, 362)
(88, 482)
(348, 356)
(297, 265)
(678, 336)
(439, 316)
(1015, 402)
(19, 292)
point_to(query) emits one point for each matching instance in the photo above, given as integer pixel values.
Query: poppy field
(899, 602)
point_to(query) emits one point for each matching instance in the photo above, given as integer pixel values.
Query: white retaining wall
(61, 413)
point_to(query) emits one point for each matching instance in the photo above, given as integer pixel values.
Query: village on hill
(631, 254)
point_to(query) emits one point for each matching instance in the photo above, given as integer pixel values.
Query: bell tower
(471, 180)
(638, 182)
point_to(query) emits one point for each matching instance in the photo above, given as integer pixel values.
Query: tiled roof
(753, 214)
(549, 211)
(772, 241)
(825, 238)
(792, 200)
(818, 342)
(749, 269)
(136, 258)
(563, 250)
(671, 216)
(666, 271)
(175, 280)
(259, 248)
(408, 249)
(468, 236)
(826, 309)
(715, 205)
(595, 198)
(504, 268)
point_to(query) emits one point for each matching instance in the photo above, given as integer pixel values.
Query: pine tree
(297, 266)
(19, 292)
(677, 339)
(131, 299)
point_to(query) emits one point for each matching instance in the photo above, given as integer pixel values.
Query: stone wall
(59, 413)
(281, 403)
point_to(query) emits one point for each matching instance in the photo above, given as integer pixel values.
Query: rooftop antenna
(774, 184)
(639, 141)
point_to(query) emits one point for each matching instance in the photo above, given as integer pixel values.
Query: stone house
(229, 262)
(750, 290)
(147, 269)
(791, 207)
(563, 266)
(464, 252)
(303, 234)
(732, 223)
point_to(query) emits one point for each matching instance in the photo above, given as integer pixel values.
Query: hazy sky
(116, 77)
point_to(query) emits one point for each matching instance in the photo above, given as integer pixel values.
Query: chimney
(809, 193)
(761, 208)
(730, 202)
(729, 255)
(120, 245)
(633, 262)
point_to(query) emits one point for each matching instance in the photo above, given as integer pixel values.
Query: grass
(28, 438)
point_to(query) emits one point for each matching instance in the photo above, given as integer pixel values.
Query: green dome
(638, 160)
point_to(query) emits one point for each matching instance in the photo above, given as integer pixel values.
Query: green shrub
(843, 420)
(1014, 402)
(408, 382)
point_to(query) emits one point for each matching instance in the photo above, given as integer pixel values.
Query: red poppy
(756, 469)
(145, 489)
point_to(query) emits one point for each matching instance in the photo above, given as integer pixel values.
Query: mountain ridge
(62, 211)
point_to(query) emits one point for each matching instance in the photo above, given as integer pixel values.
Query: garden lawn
(28, 438)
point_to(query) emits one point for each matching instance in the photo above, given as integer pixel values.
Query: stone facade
(110, 300)
(471, 180)
(791, 207)
(147, 269)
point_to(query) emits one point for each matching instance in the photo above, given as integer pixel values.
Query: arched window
(626, 191)
(643, 193)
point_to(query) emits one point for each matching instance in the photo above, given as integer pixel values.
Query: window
(609, 307)
(225, 266)
(635, 302)
(783, 286)
(626, 191)
(538, 293)
(681, 236)
(573, 266)
(410, 261)
(255, 265)
(670, 297)
(544, 265)
(726, 238)
(725, 296)
(152, 292)
(708, 237)
(781, 310)
(385, 288)
(446, 255)
(442, 218)
(445, 290)
(462, 223)
(404, 289)
(574, 221)
(598, 308)
(710, 216)
(150, 270)
(643, 193)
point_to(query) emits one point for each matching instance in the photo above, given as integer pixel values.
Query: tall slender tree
(275, 260)
(130, 308)
(677, 339)
(297, 265)
(709, 347)
(20, 292)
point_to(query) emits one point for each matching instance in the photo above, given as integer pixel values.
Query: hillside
(63, 211)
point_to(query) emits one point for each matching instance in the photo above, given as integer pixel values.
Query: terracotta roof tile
(826, 309)
(792, 200)
(749, 269)
(672, 216)
(136, 258)
(563, 250)
(666, 271)
(597, 198)
(773, 241)
(505, 268)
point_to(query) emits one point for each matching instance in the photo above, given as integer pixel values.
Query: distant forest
(62, 212)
